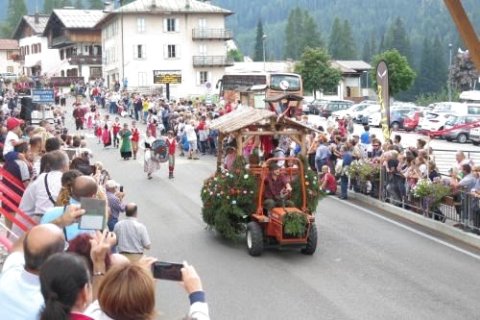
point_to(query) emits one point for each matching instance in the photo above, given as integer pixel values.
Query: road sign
(167, 76)
(43, 95)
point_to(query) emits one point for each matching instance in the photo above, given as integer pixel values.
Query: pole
(123, 49)
(264, 37)
(167, 89)
(450, 72)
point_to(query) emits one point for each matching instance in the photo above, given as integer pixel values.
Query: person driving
(277, 188)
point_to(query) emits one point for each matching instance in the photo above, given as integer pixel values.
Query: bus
(252, 88)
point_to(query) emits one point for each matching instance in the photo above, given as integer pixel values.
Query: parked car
(315, 106)
(8, 76)
(397, 117)
(461, 134)
(362, 117)
(475, 136)
(412, 120)
(450, 107)
(350, 111)
(434, 121)
(325, 109)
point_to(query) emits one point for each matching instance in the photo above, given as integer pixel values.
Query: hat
(13, 122)
(274, 166)
(110, 184)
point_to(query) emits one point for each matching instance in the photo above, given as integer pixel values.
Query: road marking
(417, 232)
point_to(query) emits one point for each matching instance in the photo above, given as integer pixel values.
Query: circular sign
(284, 84)
(208, 85)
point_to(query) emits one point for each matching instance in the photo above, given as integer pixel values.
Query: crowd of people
(57, 269)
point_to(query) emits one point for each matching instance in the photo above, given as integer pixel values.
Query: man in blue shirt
(365, 137)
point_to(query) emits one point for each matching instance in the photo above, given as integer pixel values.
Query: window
(202, 23)
(172, 52)
(170, 25)
(203, 77)
(10, 69)
(62, 55)
(139, 51)
(39, 47)
(142, 79)
(140, 25)
(95, 72)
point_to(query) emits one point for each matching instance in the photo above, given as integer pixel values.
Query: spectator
(461, 160)
(365, 136)
(20, 296)
(66, 287)
(115, 203)
(13, 135)
(328, 182)
(132, 235)
(468, 181)
(346, 162)
(376, 149)
(322, 154)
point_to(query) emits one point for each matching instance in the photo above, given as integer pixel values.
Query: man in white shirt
(20, 295)
(13, 136)
(192, 140)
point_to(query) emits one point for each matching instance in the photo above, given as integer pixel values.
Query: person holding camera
(132, 235)
(115, 202)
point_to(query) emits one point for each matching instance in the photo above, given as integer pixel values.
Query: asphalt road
(365, 267)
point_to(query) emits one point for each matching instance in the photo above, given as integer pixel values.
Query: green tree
(49, 5)
(317, 74)
(397, 38)
(341, 44)
(301, 32)
(258, 49)
(96, 4)
(235, 55)
(425, 82)
(463, 72)
(369, 48)
(400, 74)
(16, 10)
(334, 41)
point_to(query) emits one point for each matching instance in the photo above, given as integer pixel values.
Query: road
(365, 267)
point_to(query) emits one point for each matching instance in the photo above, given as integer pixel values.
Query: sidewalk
(444, 228)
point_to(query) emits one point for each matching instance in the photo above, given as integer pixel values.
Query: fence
(460, 209)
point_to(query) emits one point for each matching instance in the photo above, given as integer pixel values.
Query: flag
(384, 97)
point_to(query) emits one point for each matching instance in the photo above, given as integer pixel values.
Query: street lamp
(264, 37)
(450, 72)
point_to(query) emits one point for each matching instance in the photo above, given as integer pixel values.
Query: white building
(151, 42)
(35, 57)
(9, 56)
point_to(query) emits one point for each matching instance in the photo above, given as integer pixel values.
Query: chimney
(37, 20)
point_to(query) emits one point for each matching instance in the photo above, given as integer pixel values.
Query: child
(172, 145)
(98, 131)
(115, 130)
(106, 138)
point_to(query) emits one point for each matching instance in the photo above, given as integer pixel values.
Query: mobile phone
(167, 270)
(121, 189)
(94, 217)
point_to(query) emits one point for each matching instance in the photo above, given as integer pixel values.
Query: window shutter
(177, 25)
(177, 51)
(209, 77)
(198, 78)
(165, 51)
(165, 25)
(144, 51)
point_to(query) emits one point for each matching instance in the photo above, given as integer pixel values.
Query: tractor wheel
(311, 241)
(462, 138)
(254, 239)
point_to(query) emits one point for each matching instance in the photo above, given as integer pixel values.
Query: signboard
(43, 95)
(167, 76)
(384, 98)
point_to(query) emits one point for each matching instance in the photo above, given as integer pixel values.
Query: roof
(37, 28)
(172, 6)
(351, 66)
(8, 44)
(239, 119)
(78, 19)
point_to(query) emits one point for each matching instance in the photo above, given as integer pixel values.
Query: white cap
(110, 184)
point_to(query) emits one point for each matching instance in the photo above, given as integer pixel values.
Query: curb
(468, 238)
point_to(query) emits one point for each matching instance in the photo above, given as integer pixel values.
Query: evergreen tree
(463, 72)
(258, 49)
(96, 4)
(79, 4)
(293, 34)
(16, 10)
(397, 38)
(440, 67)
(312, 37)
(349, 51)
(425, 81)
(367, 50)
(49, 5)
(334, 42)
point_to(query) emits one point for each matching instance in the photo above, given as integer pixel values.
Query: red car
(411, 120)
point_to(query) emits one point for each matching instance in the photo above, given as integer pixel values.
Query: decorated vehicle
(234, 198)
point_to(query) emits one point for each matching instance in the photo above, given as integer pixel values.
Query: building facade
(9, 56)
(149, 43)
(78, 41)
(36, 59)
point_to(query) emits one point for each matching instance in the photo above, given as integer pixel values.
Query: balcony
(211, 61)
(85, 59)
(60, 42)
(211, 34)
(65, 81)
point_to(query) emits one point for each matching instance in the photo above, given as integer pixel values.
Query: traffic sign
(43, 95)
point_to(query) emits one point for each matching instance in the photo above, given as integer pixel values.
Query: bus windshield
(294, 82)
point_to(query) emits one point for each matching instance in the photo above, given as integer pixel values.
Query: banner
(384, 98)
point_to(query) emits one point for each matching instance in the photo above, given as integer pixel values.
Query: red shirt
(79, 316)
(135, 135)
(274, 187)
(171, 144)
(116, 128)
(331, 182)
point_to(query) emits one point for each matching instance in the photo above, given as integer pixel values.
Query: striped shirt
(132, 236)
(115, 204)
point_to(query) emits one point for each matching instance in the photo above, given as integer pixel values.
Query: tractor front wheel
(254, 239)
(311, 241)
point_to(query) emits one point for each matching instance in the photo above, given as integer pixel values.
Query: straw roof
(239, 119)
